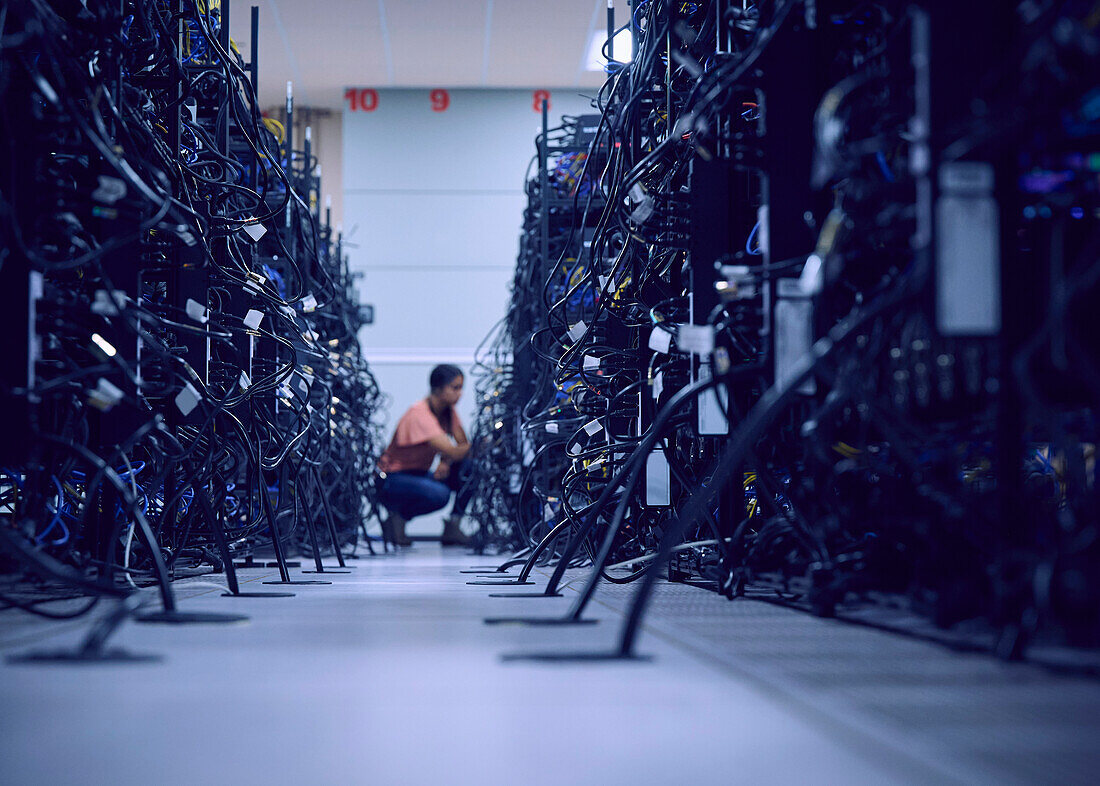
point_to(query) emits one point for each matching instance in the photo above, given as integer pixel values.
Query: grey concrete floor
(389, 676)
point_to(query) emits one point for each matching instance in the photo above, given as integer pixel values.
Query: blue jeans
(411, 494)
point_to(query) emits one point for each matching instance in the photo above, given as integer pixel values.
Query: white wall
(432, 209)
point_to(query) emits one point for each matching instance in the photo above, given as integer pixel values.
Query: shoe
(452, 535)
(387, 531)
(397, 526)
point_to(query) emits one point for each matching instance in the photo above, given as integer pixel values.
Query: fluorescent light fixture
(623, 49)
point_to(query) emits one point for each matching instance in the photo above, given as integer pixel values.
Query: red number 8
(540, 96)
(441, 99)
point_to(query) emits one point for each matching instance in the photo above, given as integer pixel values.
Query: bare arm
(445, 448)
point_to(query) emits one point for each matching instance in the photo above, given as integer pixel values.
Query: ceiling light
(623, 49)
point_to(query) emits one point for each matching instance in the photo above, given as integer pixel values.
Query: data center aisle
(389, 676)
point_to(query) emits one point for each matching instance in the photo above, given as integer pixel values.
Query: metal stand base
(538, 621)
(258, 595)
(327, 570)
(190, 617)
(524, 594)
(500, 583)
(296, 581)
(69, 657)
(574, 657)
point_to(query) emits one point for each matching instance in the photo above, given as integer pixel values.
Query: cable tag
(309, 303)
(642, 212)
(591, 362)
(697, 339)
(253, 318)
(575, 449)
(110, 190)
(578, 330)
(104, 396)
(197, 311)
(244, 381)
(592, 427)
(187, 399)
(660, 340)
(551, 428)
(658, 385)
(255, 231)
(254, 282)
(108, 304)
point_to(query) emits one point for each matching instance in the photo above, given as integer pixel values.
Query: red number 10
(361, 99)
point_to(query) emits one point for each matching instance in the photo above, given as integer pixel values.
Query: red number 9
(441, 99)
(540, 96)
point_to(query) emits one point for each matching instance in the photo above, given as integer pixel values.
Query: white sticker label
(105, 396)
(697, 339)
(578, 330)
(552, 428)
(591, 362)
(197, 311)
(309, 303)
(592, 427)
(253, 318)
(575, 449)
(244, 381)
(658, 385)
(255, 231)
(187, 399)
(660, 340)
(108, 304)
(110, 190)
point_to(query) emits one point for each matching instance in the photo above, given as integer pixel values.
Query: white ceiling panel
(324, 46)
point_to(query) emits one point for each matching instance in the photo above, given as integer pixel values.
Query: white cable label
(197, 311)
(187, 399)
(697, 339)
(660, 340)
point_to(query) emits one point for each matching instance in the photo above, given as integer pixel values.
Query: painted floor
(389, 676)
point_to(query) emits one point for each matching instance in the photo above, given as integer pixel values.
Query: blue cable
(749, 242)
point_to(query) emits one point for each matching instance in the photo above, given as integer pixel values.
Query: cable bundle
(192, 388)
(791, 342)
